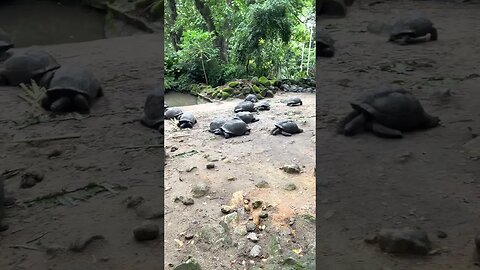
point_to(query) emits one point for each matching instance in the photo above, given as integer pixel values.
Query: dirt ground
(247, 159)
(113, 150)
(425, 179)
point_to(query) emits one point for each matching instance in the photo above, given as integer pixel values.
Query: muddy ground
(425, 179)
(111, 150)
(240, 164)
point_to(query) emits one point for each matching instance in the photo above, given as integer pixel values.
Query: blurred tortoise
(286, 128)
(251, 97)
(387, 112)
(234, 127)
(187, 120)
(246, 117)
(173, 113)
(294, 101)
(325, 43)
(263, 106)
(408, 29)
(216, 124)
(5, 44)
(244, 106)
(72, 88)
(152, 112)
(32, 64)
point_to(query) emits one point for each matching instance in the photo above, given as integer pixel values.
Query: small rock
(232, 179)
(290, 187)
(133, 202)
(240, 230)
(54, 153)
(410, 241)
(200, 190)
(292, 168)
(441, 234)
(256, 204)
(210, 166)
(291, 221)
(253, 237)
(80, 243)
(262, 184)
(263, 214)
(190, 264)
(250, 226)
(146, 232)
(255, 251)
(30, 179)
(189, 236)
(226, 209)
(188, 201)
(230, 217)
(148, 211)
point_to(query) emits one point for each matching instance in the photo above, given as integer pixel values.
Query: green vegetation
(246, 44)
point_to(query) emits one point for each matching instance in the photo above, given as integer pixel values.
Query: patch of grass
(33, 94)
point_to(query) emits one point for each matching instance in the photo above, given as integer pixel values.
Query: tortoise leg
(81, 104)
(247, 132)
(45, 80)
(275, 131)
(45, 102)
(355, 125)
(284, 133)
(326, 52)
(403, 40)
(60, 104)
(226, 135)
(433, 34)
(100, 92)
(383, 131)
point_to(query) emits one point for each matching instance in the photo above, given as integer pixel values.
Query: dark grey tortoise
(245, 106)
(187, 120)
(251, 97)
(5, 44)
(234, 127)
(410, 28)
(263, 106)
(216, 124)
(152, 112)
(387, 112)
(325, 43)
(294, 101)
(173, 113)
(72, 88)
(32, 64)
(246, 117)
(286, 128)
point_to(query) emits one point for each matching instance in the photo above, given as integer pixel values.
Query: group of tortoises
(237, 125)
(68, 87)
(411, 28)
(387, 111)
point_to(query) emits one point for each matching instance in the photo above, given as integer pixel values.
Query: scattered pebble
(185, 201)
(210, 166)
(263, 214)
(292, 168)
(255, 251)
(262, 184)
(441, 234)
(189, 236)
(191, 169)
(250, 226)
(146, 232)
(290, 187)
(190, 264)
(30, 179)
(253, 237)
(407, 241)
(226, 209)
(200, 190)
(232, 179)
(54, 153)
(257, 204)
(148, 211)
(133, 202)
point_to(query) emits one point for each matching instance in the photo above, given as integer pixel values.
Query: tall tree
(175, 34)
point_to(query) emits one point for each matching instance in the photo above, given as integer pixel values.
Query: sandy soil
(364, 182)
(112, 151)
(248, 159)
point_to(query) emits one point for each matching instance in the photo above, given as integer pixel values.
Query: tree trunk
(219, 41)
(176, 34)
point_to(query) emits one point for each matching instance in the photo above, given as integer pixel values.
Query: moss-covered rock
(228, 90)
(255, 81)
(225, 95)
(233, 84)
(269, 94)
(256, 89)
(263, 80)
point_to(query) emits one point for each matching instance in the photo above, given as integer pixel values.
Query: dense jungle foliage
(213, 42)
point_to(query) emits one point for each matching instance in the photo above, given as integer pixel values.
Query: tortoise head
(432, 121)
